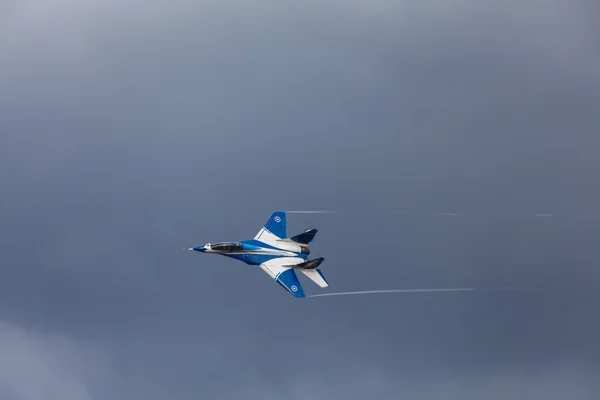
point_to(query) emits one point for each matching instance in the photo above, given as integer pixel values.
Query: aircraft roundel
(278, 219)
(294, 288)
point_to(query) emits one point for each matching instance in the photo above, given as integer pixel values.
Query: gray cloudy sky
(132, 129)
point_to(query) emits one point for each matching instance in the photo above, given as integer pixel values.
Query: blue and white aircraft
(276, 254)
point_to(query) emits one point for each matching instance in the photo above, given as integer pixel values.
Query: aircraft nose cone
(199, 248)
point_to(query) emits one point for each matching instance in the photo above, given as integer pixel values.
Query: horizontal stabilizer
(304, 238)
(311, 264)
(316, 276)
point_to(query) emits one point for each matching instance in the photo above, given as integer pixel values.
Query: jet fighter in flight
(275, 253)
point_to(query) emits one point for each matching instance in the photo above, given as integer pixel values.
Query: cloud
(554, 382)
(81, 40)
(36, 366)
(133, 129)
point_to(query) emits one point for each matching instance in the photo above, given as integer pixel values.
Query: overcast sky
(130, 130)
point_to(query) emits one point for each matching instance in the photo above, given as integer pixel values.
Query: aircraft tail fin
(316, 276)
(305, 237)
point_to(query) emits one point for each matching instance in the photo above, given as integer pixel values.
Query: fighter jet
(275, 253)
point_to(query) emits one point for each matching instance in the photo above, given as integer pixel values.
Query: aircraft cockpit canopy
(226, 246)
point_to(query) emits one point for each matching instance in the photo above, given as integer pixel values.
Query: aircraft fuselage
(253, 252)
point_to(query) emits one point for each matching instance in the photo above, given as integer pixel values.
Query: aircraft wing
(281, 270)
(273, 230)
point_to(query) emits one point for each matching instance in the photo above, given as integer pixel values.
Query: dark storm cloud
(132, 130)
(38, 366)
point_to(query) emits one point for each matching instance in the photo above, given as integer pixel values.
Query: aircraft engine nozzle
(305, 250)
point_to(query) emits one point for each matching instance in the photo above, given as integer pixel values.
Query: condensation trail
(414, 291)
(447, 214)
(427, 214)
(417, 214)
(313, 212)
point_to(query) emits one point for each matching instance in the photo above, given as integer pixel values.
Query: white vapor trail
(416, 214)
(413, 291)
(431, 214)
(313, 212)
